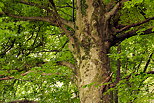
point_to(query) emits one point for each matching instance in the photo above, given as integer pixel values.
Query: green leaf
(1, 4)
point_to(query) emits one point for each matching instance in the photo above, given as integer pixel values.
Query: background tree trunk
(117, 74)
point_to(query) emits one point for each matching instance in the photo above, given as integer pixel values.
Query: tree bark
(92, 70)
(90, 48)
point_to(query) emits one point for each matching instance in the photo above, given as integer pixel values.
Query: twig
(147, 63)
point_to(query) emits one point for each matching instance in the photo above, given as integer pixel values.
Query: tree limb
(113, 11)
(47, 51)
(51, 19)
(60, 21)
(134, 25)
(68, 23)
(129, 34)
(105, 81)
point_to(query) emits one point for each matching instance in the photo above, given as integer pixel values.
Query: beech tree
(92, 28)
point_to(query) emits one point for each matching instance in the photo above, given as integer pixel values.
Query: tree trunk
(90, 47)
(92, 70)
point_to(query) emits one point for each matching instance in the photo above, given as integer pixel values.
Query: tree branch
(47, 51)
(65, 22)
(105, 81)
(134, 25)
(113, 11)
(6, 78)
(24, 74)
(147, 63)
(129, 34)
(52, 3)
(150, 72)
(68, 23)
(51, 19)
(61, 22)
(11, 77)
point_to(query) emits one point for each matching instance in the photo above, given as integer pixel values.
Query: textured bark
(90, 48)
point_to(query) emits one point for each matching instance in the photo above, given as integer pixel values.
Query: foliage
(36, 48)
(135, 84)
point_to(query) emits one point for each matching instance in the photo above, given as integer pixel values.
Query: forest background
(71, 51)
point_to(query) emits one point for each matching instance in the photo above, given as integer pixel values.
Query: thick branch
(113, 11)
(129, 34)
(49, 19)
(134, 25)
(68, 23)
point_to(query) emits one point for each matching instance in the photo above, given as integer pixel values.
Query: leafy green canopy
(135, 85)
(35, 46)
(30, 52)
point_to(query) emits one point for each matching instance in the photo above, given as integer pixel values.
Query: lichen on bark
(84, 6)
